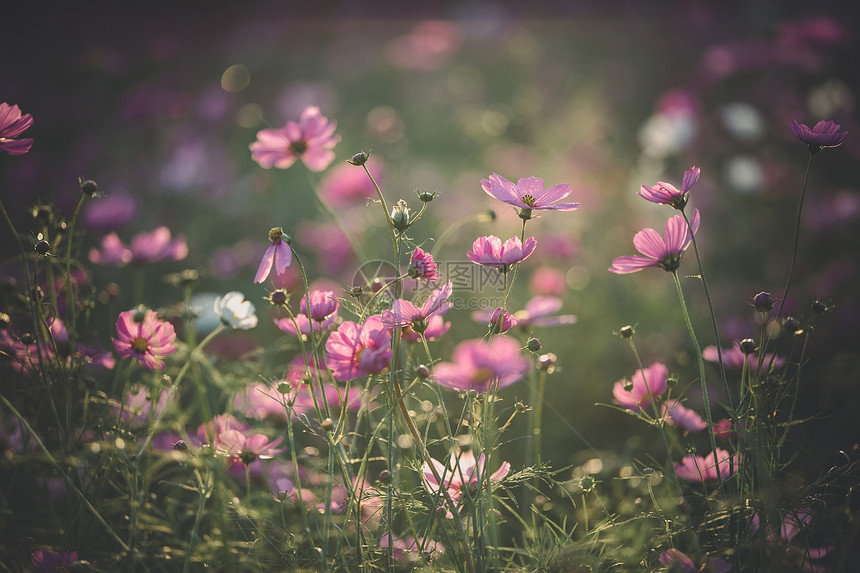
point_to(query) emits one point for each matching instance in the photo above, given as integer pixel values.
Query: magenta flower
(210, 432)
(422, 266)
(143, 336)
(404, 313)
(321, 312)
(356, 350)
(483, 365)
(658, 251)
(498, 321)
(248, 448)
(667, 194)
(677, 414)
(528, 194)
(154, 246)
(311, 140)
(824, 134)
(436, 327)
(463, 477)
(539, 311)
(489, 251)
(13, 124)
(733, 357)
(277, 257)
(645, 387)
(696, 469)
(51, 561)
(680, 563)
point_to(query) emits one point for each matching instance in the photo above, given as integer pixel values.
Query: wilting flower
(489, 251)
(277, 257)
(646, 386)
(481, 365)
(678, 562)
(150, 247)
(464, 476)
(824, 134)
(235, 311)
(696, 469)
(51, 561)
(13, 124)
(404, 313)
(664, 252)
(667, 194)
(528, 194)
(422, 266)
(356, 350)
(311, 140)
(248, 448)
(143, 336)
(319, 314)
(677, 414)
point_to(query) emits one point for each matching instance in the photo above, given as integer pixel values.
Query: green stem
(70, 294)
(701, 361)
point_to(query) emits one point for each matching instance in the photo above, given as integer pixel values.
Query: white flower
(235, 311)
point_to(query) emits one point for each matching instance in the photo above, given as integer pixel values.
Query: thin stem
(70, 294)
(701, 361)
(796, 238)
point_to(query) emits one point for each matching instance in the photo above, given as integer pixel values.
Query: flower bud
(279, 297)
(422, 371)
(764, 302)
(281, 495)
(327, 425)
(747, 346)
(820, 307)
(501, 321)
(385, 477)
(42, 247)
(427, 196)
(284, 387)
(139, 313)
(626, 331)
(27, 339)
(88, 187)
(355, 291)
(533, 344)
(400, 216)
(672, 381)
(587, 483)
(628, 385)
(791, 325)
(180, 446)
(42, 213)
(359, 158)
(521, 407)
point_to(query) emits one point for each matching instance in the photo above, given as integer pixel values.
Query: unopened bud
(533, 344)
(587, 483)
(628, 385)
(626, 331)
(385, 477)
(355, 291)
(820, 307)
(763, 302)
(359, 158)
(791, 325)
(139, 314)
(426, 196)
(180, 446)
(284, 387)
(327, 425)
(671, 381)
(422, 371)
(42, 247)
(400, 216)
(88, 187)
(747, 346)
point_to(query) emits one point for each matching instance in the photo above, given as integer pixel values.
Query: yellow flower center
(140, 345)
(529, 200)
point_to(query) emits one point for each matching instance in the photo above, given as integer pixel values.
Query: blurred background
(160, 104)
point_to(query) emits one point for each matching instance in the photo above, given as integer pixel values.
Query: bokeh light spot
(235, 78)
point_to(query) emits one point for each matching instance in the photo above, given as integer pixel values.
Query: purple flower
(482, 365)
(422, 266)
(151, 247)
(528, 194)
(658, 251)
(319, 314)
(248, 448)
(358, 350)
(489, 251)
(733, 357)
(824, 134)
(51, 561)
(143, 336)
(667, 194)
(679, 415)
(464, 476)
(645, 388)
(13, 124)
(679, 562)
(311, 140)
(697, 469)
(277, 257)
(404, 313)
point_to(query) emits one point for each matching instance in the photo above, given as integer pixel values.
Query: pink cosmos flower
(47, 561)
(824, 134)
(646, 387)
(733, 357)
(482, 365)
(667, 194)
(277, 257)
(356, 350)
(463, 477)
(679, 415)
(696, 469)
(111, 212)
(498, 321)
(422, 266)
(489, 251)
(436, 327)
(321, 312)
(13, 124)
(151, 247)
(345, 185)
(311, 140)
(658, 251)
(248, 448)
(797, 557)
(680, 563)
(404, 313)
(528, 194)
(143, 336)
(210, 432)
(407, 548)
(539, 311)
